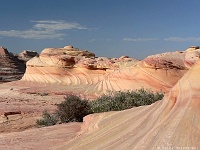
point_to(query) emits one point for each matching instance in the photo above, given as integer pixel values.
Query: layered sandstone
(73, 67)
(80, 69)
(172, 123)
(11, 68)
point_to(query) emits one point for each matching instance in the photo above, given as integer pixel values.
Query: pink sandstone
(170, 123)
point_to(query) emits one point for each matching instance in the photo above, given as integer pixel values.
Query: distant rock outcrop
(11, 68)
(73, 67)
(26, 55)
(181, 60)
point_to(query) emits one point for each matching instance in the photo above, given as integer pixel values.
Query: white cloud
(43, 29)
(183, 39)
(139, 39)
(57, 25)
(32, 34)
(47, 21)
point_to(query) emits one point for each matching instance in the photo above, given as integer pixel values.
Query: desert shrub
(124, 100)
(146, 97)
(48, 119)
(73, 109)
(101, 104)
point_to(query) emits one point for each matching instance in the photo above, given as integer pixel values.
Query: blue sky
(110, 28)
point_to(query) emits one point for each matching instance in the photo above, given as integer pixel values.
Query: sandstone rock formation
(11, 68)
(172, 123)
(26, 55)
(40, 139)
(173, 60)
(80, 69)
(72, 67)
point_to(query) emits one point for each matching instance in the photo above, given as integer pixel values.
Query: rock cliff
(11, 68)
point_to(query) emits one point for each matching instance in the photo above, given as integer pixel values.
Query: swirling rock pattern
(172, 123)
(72, 67)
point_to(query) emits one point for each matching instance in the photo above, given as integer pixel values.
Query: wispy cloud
(57, 25)
(44, 29)
(183, 39)
(139, 39)
(32, 34)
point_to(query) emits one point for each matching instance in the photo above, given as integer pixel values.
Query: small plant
(146, 97)
(73, 109)
(48, 119)
(101, 104)
(121, 100)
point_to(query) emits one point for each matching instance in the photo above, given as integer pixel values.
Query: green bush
(73, 109)
(121, 100)
(48, 119)
(101, 104)
(146, 97)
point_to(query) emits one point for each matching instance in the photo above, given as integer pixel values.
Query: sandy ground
(31, 105)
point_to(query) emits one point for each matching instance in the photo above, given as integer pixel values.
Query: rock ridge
(11, 68)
